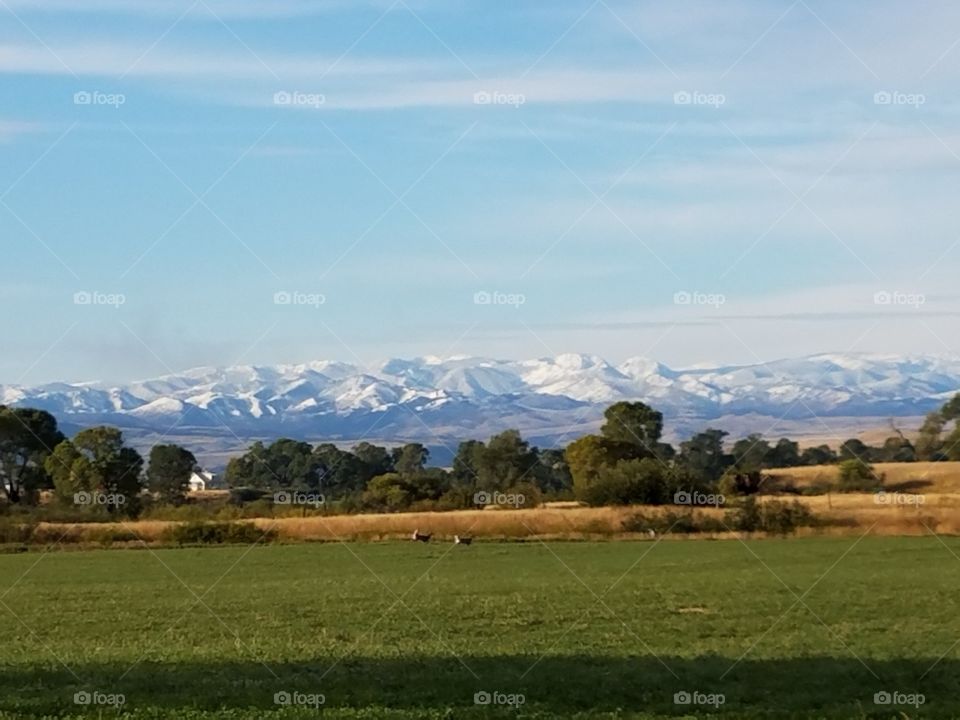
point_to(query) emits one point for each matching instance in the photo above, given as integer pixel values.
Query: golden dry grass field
(919, 477)
(919, 499)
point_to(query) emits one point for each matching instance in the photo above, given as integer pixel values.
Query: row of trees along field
(627, 462)
(35, 456)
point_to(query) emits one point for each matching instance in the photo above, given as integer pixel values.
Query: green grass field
(781, 628)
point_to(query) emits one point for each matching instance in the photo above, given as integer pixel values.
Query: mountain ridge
(461, 396)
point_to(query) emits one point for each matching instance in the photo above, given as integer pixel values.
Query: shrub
(855, 475)
(219, 533)
(773, 517)
(784, 518)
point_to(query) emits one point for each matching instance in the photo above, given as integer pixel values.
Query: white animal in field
(421, 537)
(651, 534)
(457, 540)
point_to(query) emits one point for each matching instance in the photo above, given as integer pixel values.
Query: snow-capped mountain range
(432, 398)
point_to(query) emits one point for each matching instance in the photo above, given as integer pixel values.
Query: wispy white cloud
(206, 8)
(10, 129)
(116, 59)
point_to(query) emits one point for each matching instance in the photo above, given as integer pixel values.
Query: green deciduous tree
(410, 459)
(168, 472)
(646, 481)
(553, 474)
(638, 425)
(786, 453)
(587, 456)
(896, 449)
(97, 460)
(468, 461)
(71, 471)
(819, 455)
(285, 464)
(506, 460)
(751, 453)
(341, 472)
(703, 455)
(376, 459)
(27, 437)
(855, 449)
(929, 444)
(498, 464)
(393, 492)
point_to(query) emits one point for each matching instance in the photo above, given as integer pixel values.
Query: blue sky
(699, 182)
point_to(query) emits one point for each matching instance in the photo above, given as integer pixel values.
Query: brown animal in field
(422, 537)
(457, 540)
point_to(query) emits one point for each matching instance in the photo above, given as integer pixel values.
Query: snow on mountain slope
(460, 395)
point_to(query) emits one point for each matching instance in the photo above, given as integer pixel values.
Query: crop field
(800, 628)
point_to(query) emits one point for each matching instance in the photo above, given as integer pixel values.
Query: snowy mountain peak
(465, 396)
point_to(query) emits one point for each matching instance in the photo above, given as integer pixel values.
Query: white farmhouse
(199, 479)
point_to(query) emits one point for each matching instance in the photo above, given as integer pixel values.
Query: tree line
(374, 478)
(94, 468)
(626, 462)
